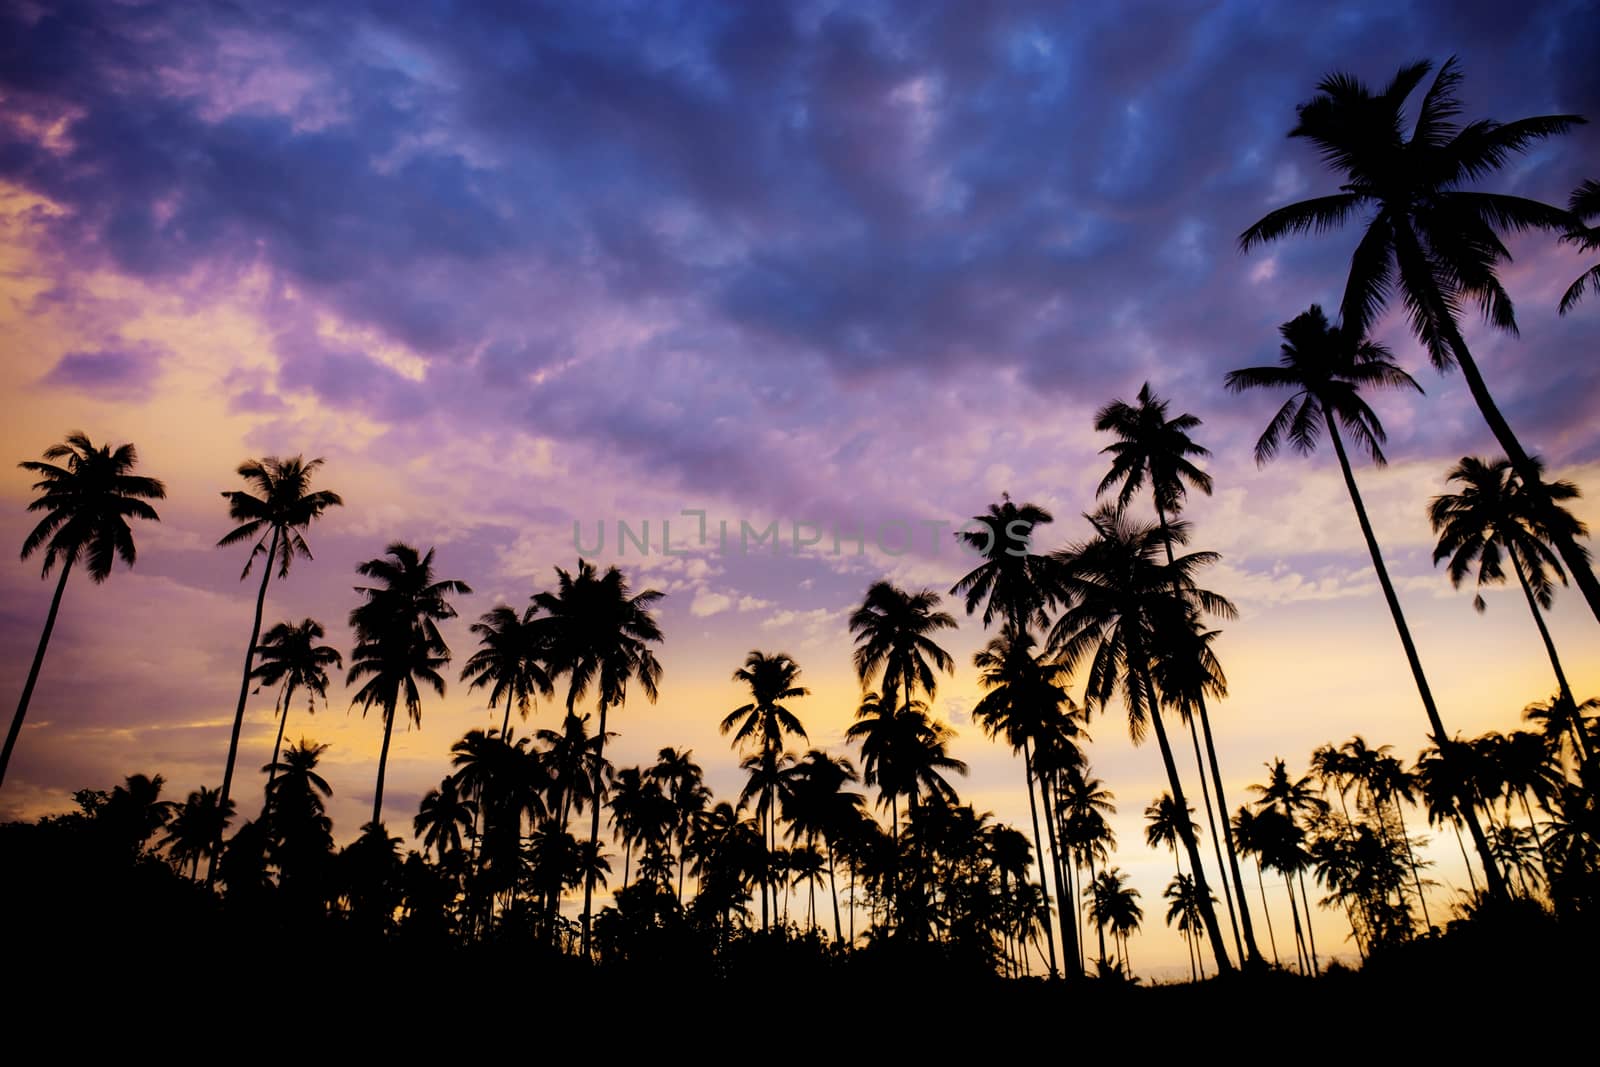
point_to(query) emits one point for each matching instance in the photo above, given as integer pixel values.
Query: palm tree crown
(284, 507)
(508, 660)
(892, 629)
(1584, 205)
(1012, 582)
(1151, 446)
(87, 502)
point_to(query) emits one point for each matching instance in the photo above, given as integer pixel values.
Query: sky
(519, 270)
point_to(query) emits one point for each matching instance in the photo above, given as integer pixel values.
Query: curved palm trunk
(1272, 937)
(1416, 876)
(1099, 924)
(1311, 935)
(1207, 912)
(1572, 554)
(1069, 949)
(833, 888)
(505, 723)
(1550, 649)
(277, 744)
(1497, 886)
(383, 766)
(594, 831)
(1038, 844)
(244, 691)
(1216, 839)
(1533, 828)
(33, 671)
(1301, 956)
(1248, 952)
(1472, 879)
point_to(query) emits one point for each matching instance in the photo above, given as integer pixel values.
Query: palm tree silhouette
(1124, 605)
(274, 520)
(1251, 839)
(299, 831)
(600, 635)
(292, 659)
(764, 722)
(398, 644)
(1114, 903)
(1327, 366)
(87, 502)
(1584, 205)
(1012, 583)
(684, 783)
(1288, 798)
(1083, 804)
(1184, 910)
(196, 828)
(1492, 519)
(817, 805)
(1024, 699)
(1164, 827)
(891, 629)
(444, 817)
(1426, 237)
(1560, 718)
(507, 662)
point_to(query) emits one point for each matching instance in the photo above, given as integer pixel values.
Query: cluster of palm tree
(1120, 611)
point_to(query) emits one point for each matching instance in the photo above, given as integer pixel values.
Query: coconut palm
(1492, 519)
(292, 660)
(892, 631)
(1024, 697)
(398, 644)
(1123, 599)
(1585, 206)
(195, 828)
(676, 772)
(817, 805)
(1250, 839)
(1183, 908)
(1427, 239)
(1326, 367)
(1560, 719)
(1012, 583)
(87, 501)
(1114, 903)
(273, 516)
(444, 817)
(1083, 803)
(508, 660)
(600, 636)
(1165, 827)
(1293, 800)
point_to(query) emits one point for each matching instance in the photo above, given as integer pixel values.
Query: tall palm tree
(398, 643)
(87, 502)
(1151, 447)
(274, 519)
(1024, 696)
(1326, 367)
(507, 662)
(600, 636)
(1184, 910)
(1251, 841)
(444, 816)
(1428, 239)
(764, 723)
(1123, 603)
(676, 772)
(1012, 583)
(292, 659)
(1492, 519)
(1292, 799)
(1114, 903)
(892, 631)
(819, 806)
(1584, 205)
(1084, 803)
(1165, 827)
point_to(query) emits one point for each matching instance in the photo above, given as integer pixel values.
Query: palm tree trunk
(244, 685)
(1472, 879)
(1416, 876)
(505, 723)
(1069, 950)
(1038, 844)
(1550, 649)
(383, 766)
(1099, 924)
(833, 887)
(1533, 828)
(1441, 738)
(1311, 935)
(1303, 957)
(1248, 951)
(33, 671)
(1272, 937)
(277, 745)
(1216, 839)
(594, 832)
(1572, 554)
(1218, 948)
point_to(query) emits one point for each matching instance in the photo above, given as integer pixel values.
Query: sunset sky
(508, 270)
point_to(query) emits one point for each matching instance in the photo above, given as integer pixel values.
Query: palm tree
(1290, 798)
(1560, 718)
(1025, 697)
(291, 657)
(1164, 827)
(600, 635)
(398, 643)
(195, 829)
(443, 818)
(1492, 519)
(818, 806)
(1114, 903)
(1426, 237)
(1012, 583)
(684, 782)
(87, 502)
(1326, 367)
(274, 520)
(1083, 803)
(507, 662)
(1251, 841)
(1584, 205)
(892, 629)
(1184, 909)
(1123, 604)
